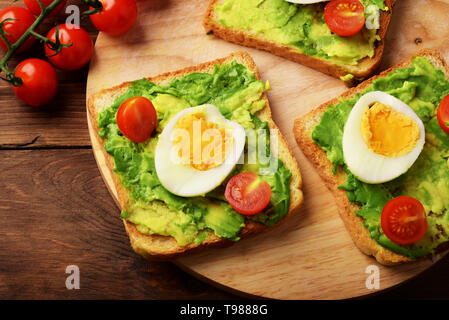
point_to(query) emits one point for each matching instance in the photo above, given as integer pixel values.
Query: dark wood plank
(63, 121)
(55, 211)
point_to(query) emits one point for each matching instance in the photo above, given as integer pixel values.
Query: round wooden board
(311, 256)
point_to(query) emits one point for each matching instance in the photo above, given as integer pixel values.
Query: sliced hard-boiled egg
(382, 138)
(197, 150)
(306, 1)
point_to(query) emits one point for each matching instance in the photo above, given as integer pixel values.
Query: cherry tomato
(14, 29)
(247, 193)
(344, 17)
(40, 82)
(443, 114)
(136, 119)
(116, 17)
(35, 8)
(75, 56)
(404, 220)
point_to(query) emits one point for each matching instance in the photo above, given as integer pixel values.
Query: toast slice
(303, 129)
(363, 69)
(166, 247)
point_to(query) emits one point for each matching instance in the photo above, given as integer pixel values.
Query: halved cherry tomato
(404, 220)
(247, 193)
(136, 119)
(75, 56)
(14, 29)
(344, 17)
(443, 114)
(35, 8)
(40, 82)
(116, 17)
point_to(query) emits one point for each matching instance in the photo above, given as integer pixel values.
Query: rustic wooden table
(55, 211)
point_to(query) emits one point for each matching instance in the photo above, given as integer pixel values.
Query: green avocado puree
(422, 87)
(153, 209)
(300, 26)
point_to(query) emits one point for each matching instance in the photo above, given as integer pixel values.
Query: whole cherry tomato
(40, 82)
(35, 8)
(344, 17)
(75, 56)
(116, 17)
(136, 119)
(404, 220)
(14, 29)
(247, 193)
(443, 114)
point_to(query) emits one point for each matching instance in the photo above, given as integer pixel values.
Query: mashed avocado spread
(153, 209)
(422, 87)
(301, 27)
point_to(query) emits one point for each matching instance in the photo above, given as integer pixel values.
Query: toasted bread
(303, 129)
(166, 247)
(363, 69)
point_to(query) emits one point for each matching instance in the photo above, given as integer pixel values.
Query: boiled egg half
(197, 150)
(382, 138)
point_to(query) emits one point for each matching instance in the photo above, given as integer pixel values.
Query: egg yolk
(388, 132)
(201, 144)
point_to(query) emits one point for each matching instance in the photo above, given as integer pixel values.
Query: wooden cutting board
(311, 256)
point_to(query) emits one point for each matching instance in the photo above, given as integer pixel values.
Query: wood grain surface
(311, 256)
(55, 211)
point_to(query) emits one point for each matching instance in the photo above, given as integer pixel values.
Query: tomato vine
(56, 46)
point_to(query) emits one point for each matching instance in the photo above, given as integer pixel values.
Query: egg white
(184, 180)
(306, 1)
(366, 165)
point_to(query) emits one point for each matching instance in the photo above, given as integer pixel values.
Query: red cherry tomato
(247, 193)
(75, 56)
(404, 220)
(443, 114)
(344, 17)
(40, 82)
(14, 29)
(35, 8)
(116, 17)
(136, 119)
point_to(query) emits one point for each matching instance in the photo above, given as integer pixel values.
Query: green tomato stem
(96, 5)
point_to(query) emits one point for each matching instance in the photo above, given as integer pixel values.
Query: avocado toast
(421, 82)
(298, 32)
(162, 225)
